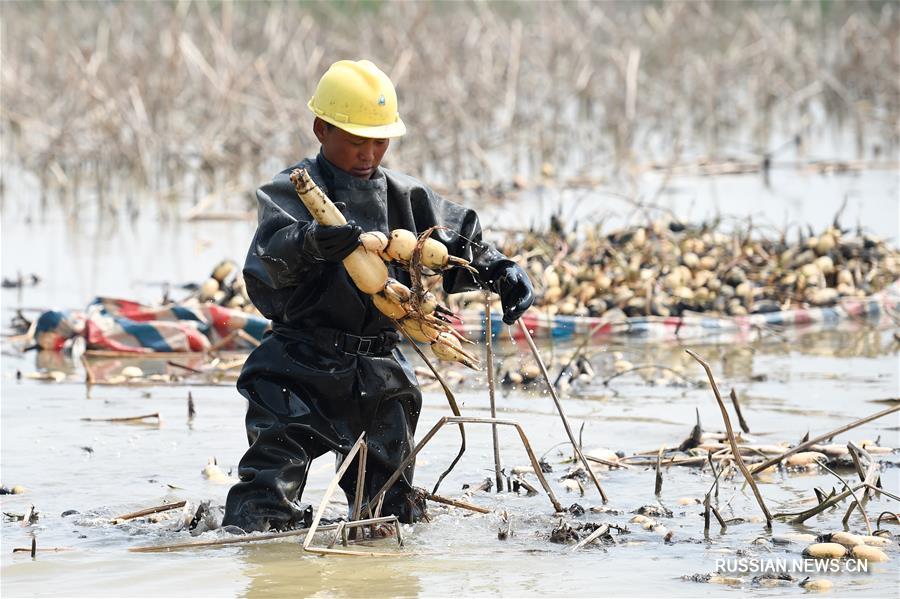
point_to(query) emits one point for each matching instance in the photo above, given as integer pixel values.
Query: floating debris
(148, 511)
(132, 372)
(871, 554)
(805, 459)
(21, 281)
(30, 517)
(652, 525)
(600, 534)
(56, 376)
(846, 539)
(518, 483)
(125, 420)
(505, 530)
(215, 474)
(563, 533)
(825, 551)
(654, 511)
(486, 485)
(816, 584)
(205, 518)
(793, 537)
(772, 579)
(34, 549)
(874, 541)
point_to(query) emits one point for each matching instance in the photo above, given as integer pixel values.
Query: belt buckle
(365, 346)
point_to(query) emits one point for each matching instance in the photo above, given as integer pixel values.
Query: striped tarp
(123, 325)
(127, 326)
(689, 326)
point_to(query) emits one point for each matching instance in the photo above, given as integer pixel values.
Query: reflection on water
(736, 361)
(283, 570)
(50, 361)
(850, 340)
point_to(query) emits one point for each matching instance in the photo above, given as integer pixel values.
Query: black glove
(331, 244)
(515, 290)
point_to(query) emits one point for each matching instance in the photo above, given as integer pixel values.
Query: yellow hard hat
(359, 98)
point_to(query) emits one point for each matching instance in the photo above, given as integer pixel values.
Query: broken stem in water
(879, 490)
(853, 493)
(860, 471)
(332, 486)
(801, 517)
(34, 549)
(123, 419)
(559, 409)
(587, 338)
(605, 382)
(730, 432)
(451, 399)
(89, 377)
(821, 438)
(707, 505)
(175, 364)
(233, 541)
(869, 478)
(489, 331)
(456, 503)
(659, 481)
(379, 496)
(737, 410)
(150, 510)
(719, 517)
(602, 530)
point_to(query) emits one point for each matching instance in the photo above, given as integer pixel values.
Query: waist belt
(377, 345)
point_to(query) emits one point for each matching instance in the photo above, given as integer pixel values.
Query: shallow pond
(808, 381)
(130, 467)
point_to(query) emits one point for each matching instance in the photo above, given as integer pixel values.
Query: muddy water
(130, 467)
(813, 382)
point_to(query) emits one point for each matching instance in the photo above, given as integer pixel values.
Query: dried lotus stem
(820, 438)
(559, 409)
(734, 448)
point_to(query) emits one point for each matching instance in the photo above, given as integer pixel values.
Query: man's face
(359, 156)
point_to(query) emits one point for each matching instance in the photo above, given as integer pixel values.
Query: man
(330, 368)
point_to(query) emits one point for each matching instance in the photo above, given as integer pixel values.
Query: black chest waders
(330, 370)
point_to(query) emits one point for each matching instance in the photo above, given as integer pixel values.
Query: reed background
(185, 100)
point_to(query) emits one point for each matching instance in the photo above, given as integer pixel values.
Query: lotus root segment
(415, 308)
(433, 254)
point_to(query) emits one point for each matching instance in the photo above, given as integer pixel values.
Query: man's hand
(331, 244)
(516, 292)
